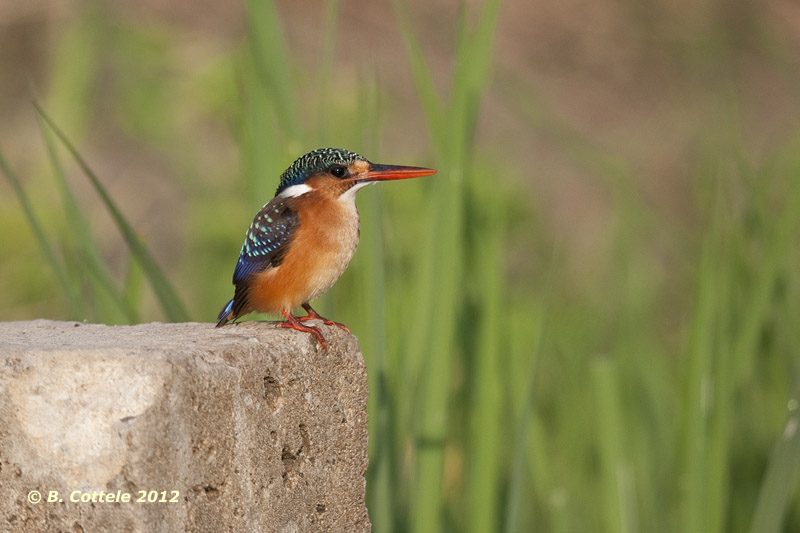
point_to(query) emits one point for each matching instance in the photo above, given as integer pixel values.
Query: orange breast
(322, 248)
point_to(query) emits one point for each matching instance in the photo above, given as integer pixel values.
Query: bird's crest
(314, 162)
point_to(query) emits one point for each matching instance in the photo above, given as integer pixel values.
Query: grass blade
(90, 256)
(257, 124)
(271, 59)
(325, 133)
(133, 284)
(486, 387)
(381, 478)
(781, 480)
(515, 498)
(166, 295)
(698, 407)
(76, 303)
(423, 78)
(619, 504)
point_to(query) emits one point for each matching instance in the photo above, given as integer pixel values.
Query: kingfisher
(302, 240)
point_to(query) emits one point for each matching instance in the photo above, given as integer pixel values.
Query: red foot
(292, 322)
(313, 315)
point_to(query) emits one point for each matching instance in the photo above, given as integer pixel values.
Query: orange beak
(393, 172)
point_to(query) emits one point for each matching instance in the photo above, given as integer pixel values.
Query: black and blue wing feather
(265, 245)
(266, 240)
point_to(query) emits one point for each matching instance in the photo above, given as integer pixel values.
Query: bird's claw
(313, 315)
(292, 322)
(325, 321)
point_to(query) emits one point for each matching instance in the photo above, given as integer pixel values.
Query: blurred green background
(588, 321)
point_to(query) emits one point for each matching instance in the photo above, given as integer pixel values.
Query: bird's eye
(338, 171)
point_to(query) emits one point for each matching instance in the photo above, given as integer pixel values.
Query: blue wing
(265, 245)
(267, 239)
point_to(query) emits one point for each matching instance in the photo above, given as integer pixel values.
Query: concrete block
(243, 428)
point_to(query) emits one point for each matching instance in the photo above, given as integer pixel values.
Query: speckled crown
(314, 162)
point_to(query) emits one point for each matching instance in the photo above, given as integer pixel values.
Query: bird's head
(339, 172)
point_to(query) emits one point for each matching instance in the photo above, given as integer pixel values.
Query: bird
(302, 240)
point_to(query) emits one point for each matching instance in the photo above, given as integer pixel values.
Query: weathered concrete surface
(255, 426)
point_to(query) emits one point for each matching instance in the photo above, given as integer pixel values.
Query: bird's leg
(292, 322)
(313, 315)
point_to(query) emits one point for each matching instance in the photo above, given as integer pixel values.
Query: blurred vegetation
(659, 392)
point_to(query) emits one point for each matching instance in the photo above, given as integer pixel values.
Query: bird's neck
(325, 210)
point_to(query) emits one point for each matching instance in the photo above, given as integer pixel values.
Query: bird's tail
(226, 315)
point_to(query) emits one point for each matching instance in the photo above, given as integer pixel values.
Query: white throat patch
(349, 196)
